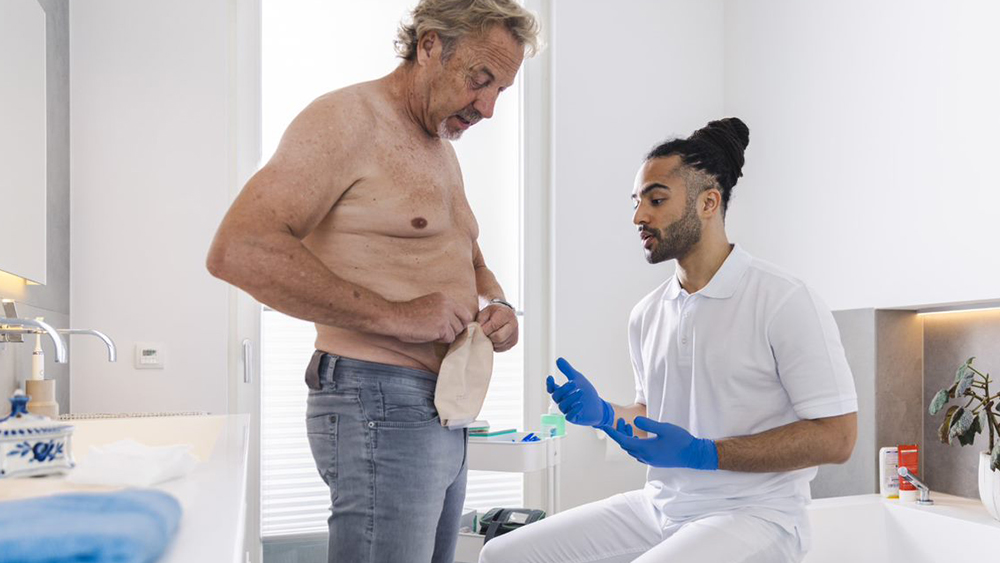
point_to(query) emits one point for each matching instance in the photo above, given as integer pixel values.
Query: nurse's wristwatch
(504, 303)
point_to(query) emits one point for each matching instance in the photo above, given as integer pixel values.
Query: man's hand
(578, 400)
(500, 324)
(672, 446)
(431, 318)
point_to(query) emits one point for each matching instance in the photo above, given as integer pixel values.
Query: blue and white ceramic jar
(31, 444)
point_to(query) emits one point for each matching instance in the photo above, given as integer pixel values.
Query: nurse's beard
(677, 239)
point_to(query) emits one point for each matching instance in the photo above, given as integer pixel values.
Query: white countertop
(213, 496)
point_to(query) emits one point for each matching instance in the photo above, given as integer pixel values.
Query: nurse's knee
(497, 550)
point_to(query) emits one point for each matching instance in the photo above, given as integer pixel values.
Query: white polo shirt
(753, 350)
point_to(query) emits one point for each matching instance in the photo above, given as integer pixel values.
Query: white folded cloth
(129, 463)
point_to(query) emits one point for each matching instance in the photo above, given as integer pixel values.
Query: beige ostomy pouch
(464, 378)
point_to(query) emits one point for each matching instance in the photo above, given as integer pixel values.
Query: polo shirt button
(684, 340)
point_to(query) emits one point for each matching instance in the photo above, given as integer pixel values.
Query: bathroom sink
(868, 528)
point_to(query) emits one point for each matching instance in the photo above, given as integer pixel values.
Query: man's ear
(428, 48)
(711, 202)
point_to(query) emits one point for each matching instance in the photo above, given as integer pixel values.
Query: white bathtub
(867, 528)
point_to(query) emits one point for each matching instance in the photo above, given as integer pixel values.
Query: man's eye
(658, 201)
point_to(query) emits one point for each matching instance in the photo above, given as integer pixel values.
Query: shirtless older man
(360, 224)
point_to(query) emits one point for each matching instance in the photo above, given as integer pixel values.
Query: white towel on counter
(131, 464)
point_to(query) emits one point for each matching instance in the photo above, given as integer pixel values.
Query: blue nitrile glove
(578, 400)
(672, 446)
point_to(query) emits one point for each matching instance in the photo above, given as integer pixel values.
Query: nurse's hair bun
(716, 149)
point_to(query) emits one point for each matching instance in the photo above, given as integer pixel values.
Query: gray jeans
(396, 476)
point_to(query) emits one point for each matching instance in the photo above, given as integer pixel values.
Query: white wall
(150, 182)
(873, 126)
(624, 79)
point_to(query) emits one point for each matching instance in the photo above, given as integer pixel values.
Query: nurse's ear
(710, 203)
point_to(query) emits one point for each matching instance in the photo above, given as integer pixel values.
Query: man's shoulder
(648, 301)
(355, 104)
(770, 277)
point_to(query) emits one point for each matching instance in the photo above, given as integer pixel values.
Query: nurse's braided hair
(716, 149)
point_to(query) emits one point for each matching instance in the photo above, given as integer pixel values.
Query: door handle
(247, 361)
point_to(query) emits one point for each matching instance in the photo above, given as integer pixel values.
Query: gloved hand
(578, 400)
(671, 446)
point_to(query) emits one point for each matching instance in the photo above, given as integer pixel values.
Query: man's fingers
(624, 427)
(464, 315)
(457, 326)
(503, 333)
(569, 401)
(485, 319)
(564, 390)
(618, 437)
(550, 384)
(648, 425)
(567, 369)
(573, 412)
(448, 335)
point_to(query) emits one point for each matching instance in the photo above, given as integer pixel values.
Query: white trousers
(626, 528)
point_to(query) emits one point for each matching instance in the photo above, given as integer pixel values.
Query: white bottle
(888, 476)
(38, 359)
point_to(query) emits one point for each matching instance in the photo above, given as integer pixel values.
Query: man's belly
(381, 349)
(398, 272)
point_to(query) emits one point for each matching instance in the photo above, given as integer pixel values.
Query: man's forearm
(629, 413)
(281, 273)
(805, 443)
(487, 286)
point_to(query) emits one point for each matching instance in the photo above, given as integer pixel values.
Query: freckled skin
(366, 182)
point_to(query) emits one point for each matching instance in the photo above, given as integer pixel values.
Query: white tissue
(129, 463)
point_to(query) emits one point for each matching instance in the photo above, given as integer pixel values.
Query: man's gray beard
(448, 134)
(678, 239)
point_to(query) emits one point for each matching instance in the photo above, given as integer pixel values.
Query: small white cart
(508, 453)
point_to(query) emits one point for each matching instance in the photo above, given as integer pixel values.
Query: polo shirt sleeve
(810, 359)
(635, 352)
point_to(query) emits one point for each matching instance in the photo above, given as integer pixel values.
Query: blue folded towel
(132, 526)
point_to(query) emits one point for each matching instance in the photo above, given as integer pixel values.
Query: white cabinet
(507, 453)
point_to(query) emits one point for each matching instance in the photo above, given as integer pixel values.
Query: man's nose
(640, 217)
(485, 104)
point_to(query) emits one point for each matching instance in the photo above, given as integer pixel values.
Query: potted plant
(980, 412)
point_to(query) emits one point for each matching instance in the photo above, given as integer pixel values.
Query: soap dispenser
(42, 391)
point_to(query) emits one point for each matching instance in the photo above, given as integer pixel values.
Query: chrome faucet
(112, 350)
(925, 492)
(12, 329)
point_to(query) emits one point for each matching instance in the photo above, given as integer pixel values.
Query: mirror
(23, 139)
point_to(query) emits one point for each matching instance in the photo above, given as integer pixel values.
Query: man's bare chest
(407, 193)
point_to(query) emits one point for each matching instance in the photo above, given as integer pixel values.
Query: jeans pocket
(406, 410)
(322, 433)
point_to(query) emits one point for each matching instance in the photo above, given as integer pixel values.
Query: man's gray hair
(454, 19)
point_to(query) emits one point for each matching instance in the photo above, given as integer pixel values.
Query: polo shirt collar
(725, 281)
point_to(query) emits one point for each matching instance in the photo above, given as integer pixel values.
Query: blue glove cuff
(707, 454)
(608, 418)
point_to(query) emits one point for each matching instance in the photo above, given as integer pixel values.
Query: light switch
(149, 355)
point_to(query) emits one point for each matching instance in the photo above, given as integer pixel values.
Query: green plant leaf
(965, 383)
(963, 372)
(984, 420)
(995, 457)
(969, 436)
(946, 424)
(939, 401)
(961, 421)
(969, 361)
(951, 390)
